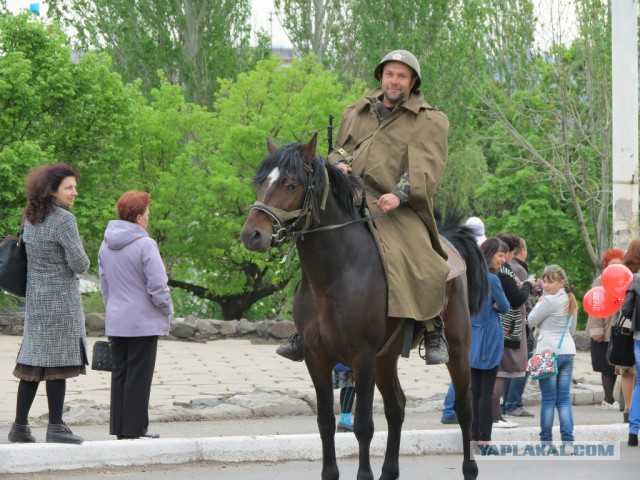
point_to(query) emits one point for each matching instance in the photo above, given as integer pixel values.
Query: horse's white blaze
(274, 176)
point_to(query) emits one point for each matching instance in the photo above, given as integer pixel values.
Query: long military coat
(54, 328)
(414, 138)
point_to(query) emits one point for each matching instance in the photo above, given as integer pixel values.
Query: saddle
(454, 259)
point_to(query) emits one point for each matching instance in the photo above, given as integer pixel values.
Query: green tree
(55, 107)
(557, 117)
(193, 41)
(310, 24)
(198, 167)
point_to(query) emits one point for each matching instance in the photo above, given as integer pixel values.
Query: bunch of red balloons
(606, 300)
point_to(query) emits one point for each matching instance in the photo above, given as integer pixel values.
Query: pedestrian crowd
(524, 316)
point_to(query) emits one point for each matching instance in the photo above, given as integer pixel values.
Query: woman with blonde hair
(555, 317)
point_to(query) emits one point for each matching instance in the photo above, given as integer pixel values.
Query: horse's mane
(464, 240)
(289, 160)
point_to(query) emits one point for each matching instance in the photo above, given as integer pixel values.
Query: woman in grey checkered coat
(54, 346)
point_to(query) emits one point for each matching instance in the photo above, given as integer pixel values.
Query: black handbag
(620, 349)
(13, 264)
(102, 356)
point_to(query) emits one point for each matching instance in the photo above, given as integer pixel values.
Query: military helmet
(401, 56)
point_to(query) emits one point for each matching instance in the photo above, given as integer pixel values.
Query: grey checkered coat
(54, 331)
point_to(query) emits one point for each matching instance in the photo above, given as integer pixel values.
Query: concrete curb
(43, 457)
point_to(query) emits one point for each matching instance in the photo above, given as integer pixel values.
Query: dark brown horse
(340, 304)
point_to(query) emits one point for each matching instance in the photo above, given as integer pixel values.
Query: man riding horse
(397, 143)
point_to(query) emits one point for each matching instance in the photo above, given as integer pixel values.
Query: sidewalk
(244, 391)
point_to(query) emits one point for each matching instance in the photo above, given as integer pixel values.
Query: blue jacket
(487, 338)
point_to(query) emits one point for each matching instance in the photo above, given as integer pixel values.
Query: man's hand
(344, 168)
(387, 202)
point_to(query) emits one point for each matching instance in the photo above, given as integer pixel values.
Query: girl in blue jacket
(487, 343)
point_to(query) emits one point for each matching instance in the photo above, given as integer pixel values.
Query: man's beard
(395, 101)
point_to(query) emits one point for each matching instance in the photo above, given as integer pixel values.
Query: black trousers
(134, 359)
(482, 385)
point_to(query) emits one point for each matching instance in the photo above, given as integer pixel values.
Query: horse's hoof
(469, 469)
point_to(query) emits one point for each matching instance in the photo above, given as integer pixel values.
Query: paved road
(440, 467)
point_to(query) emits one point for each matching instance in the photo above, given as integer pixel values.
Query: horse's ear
(271, 147)
(309, 149)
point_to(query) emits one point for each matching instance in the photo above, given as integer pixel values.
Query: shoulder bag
(13, 264)
(545, 364)
(620, 348)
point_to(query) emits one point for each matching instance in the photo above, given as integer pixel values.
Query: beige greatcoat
(413, 137)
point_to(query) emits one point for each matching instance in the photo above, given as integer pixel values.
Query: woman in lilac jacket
(134, 288)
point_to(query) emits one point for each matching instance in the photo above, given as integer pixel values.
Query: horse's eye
(292, 186)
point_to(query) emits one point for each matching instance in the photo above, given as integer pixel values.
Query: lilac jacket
(133, 282)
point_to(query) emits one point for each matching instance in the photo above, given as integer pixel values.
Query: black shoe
(60, 433)
(633, 440)
(293, 349)
(21, 434)
(436, 349)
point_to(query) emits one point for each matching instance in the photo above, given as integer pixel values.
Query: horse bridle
(279, 218)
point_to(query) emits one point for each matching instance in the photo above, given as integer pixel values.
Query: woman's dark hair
(491, 246)
(631, 257)
(39, 187)
(131, 204)
(512, 241)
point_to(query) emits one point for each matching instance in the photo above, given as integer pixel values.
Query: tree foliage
(310, 24)
(55, 108)
(557, 116)
(194, 42)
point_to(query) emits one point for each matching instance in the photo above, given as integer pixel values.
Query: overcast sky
(260, 19)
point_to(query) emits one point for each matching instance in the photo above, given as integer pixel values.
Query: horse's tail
(464, 240)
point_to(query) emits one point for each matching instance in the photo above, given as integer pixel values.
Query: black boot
(633, 440)
(293, 349)
(436, 349)
(20, 434)
(60, 433)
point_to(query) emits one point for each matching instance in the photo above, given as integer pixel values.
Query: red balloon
(616, 279)
(600, 304)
